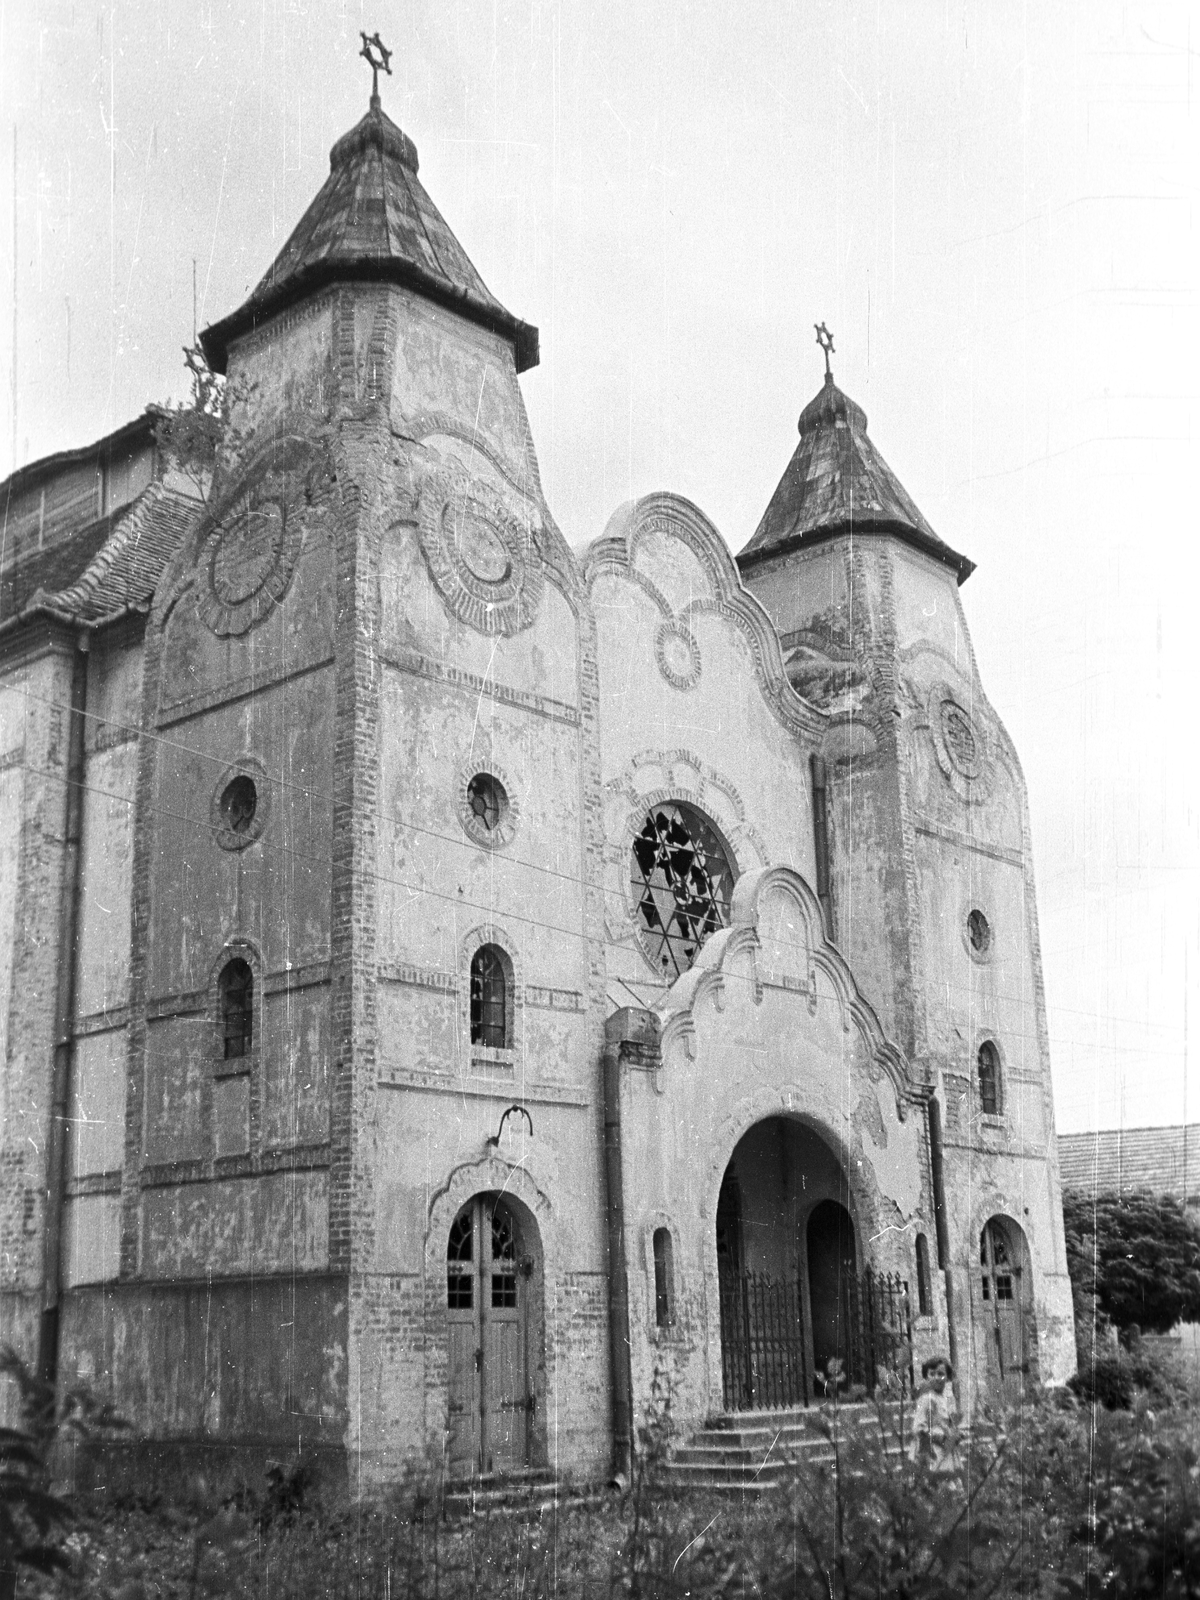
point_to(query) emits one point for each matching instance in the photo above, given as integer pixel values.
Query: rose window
(682, 880)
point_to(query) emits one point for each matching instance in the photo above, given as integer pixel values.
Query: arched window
(989, 1079)
(460, 1263)
(237, 1008)
(491, 998)
(664, 1278)
(682, 880)
(924, 1305)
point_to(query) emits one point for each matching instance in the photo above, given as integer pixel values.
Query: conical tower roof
(372, 221)
(837, 482)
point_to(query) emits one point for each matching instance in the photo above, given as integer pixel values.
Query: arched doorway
(491, 1284)
(1004, 1320)
(832, 1281)
(786, 1262)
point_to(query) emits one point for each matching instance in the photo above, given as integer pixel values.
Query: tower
(930, 869)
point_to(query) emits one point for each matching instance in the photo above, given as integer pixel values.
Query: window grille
(237, 1009)
(490, 975)
(460, 1269)
(998, 1267)
(504, 1262)
(682, 881)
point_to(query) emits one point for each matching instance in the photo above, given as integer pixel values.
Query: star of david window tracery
(682, 881)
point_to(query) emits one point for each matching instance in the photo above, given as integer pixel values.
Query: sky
(993, 206)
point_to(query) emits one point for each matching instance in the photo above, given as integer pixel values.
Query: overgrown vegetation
(1056, 1501)
(190, 433)
(33, 1518)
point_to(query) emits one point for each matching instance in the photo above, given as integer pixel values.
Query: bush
(1113, 1377)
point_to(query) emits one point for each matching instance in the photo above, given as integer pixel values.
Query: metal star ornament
(378, 57)
(825, 340)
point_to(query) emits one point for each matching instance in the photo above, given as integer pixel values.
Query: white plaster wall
(718, 744)
(750, 1059)
(102, 975)
(92, 1239)
(96, 1110)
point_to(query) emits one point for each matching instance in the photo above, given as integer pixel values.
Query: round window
(487, 808)
(682, 880)
(487, 800)
(979, 933)
(239, 802)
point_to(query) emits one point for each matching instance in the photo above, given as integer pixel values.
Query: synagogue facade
(455, 976)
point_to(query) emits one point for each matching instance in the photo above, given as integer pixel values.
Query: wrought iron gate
(762, 1343)
(764, 1363)
(881, 1331)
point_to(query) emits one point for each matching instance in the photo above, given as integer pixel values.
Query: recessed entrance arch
(1004, 1308)
(786, 1264)
(493, 1290)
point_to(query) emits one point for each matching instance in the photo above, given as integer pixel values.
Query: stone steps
(753, 1452)
(524, 1491)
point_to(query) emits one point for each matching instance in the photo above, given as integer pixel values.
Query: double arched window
(491, 998)
(236, 989)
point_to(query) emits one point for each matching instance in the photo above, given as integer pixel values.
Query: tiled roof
(1117, 1160)
(837, 482)
(45, 571)
(112, 564)
(373, 220)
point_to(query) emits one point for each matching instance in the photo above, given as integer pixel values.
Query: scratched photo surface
(598, 818)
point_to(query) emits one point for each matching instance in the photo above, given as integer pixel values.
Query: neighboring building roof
(1118, 1160)
(837, 482)
(111, 566)
(372, 220)
(130, 436)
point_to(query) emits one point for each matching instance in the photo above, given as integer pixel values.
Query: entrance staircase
(753, 1452)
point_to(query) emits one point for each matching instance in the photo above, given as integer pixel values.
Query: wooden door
(486, 1294)
(1001, 1288)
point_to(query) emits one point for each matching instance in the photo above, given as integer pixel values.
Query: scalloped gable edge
(614, 552)
(676, 1009)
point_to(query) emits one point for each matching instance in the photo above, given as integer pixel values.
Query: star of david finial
(825, 340)
(379, 58)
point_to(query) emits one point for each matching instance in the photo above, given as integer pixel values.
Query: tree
(1138, 1255)
(191, 432)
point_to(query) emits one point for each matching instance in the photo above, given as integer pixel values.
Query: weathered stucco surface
(376, 606)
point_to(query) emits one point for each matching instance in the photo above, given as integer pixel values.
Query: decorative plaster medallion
(239, 808)
(477, 819)
(250, 557)
(963, 744)
(481, 552)
(678, 654)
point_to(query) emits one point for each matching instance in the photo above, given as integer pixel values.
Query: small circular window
(682, 880)
(239, 802)
(979, 933)
(487, 808)
(487, 800)
(238, 808)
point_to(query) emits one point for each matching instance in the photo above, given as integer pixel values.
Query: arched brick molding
(491, 1174)
(768, 1103)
